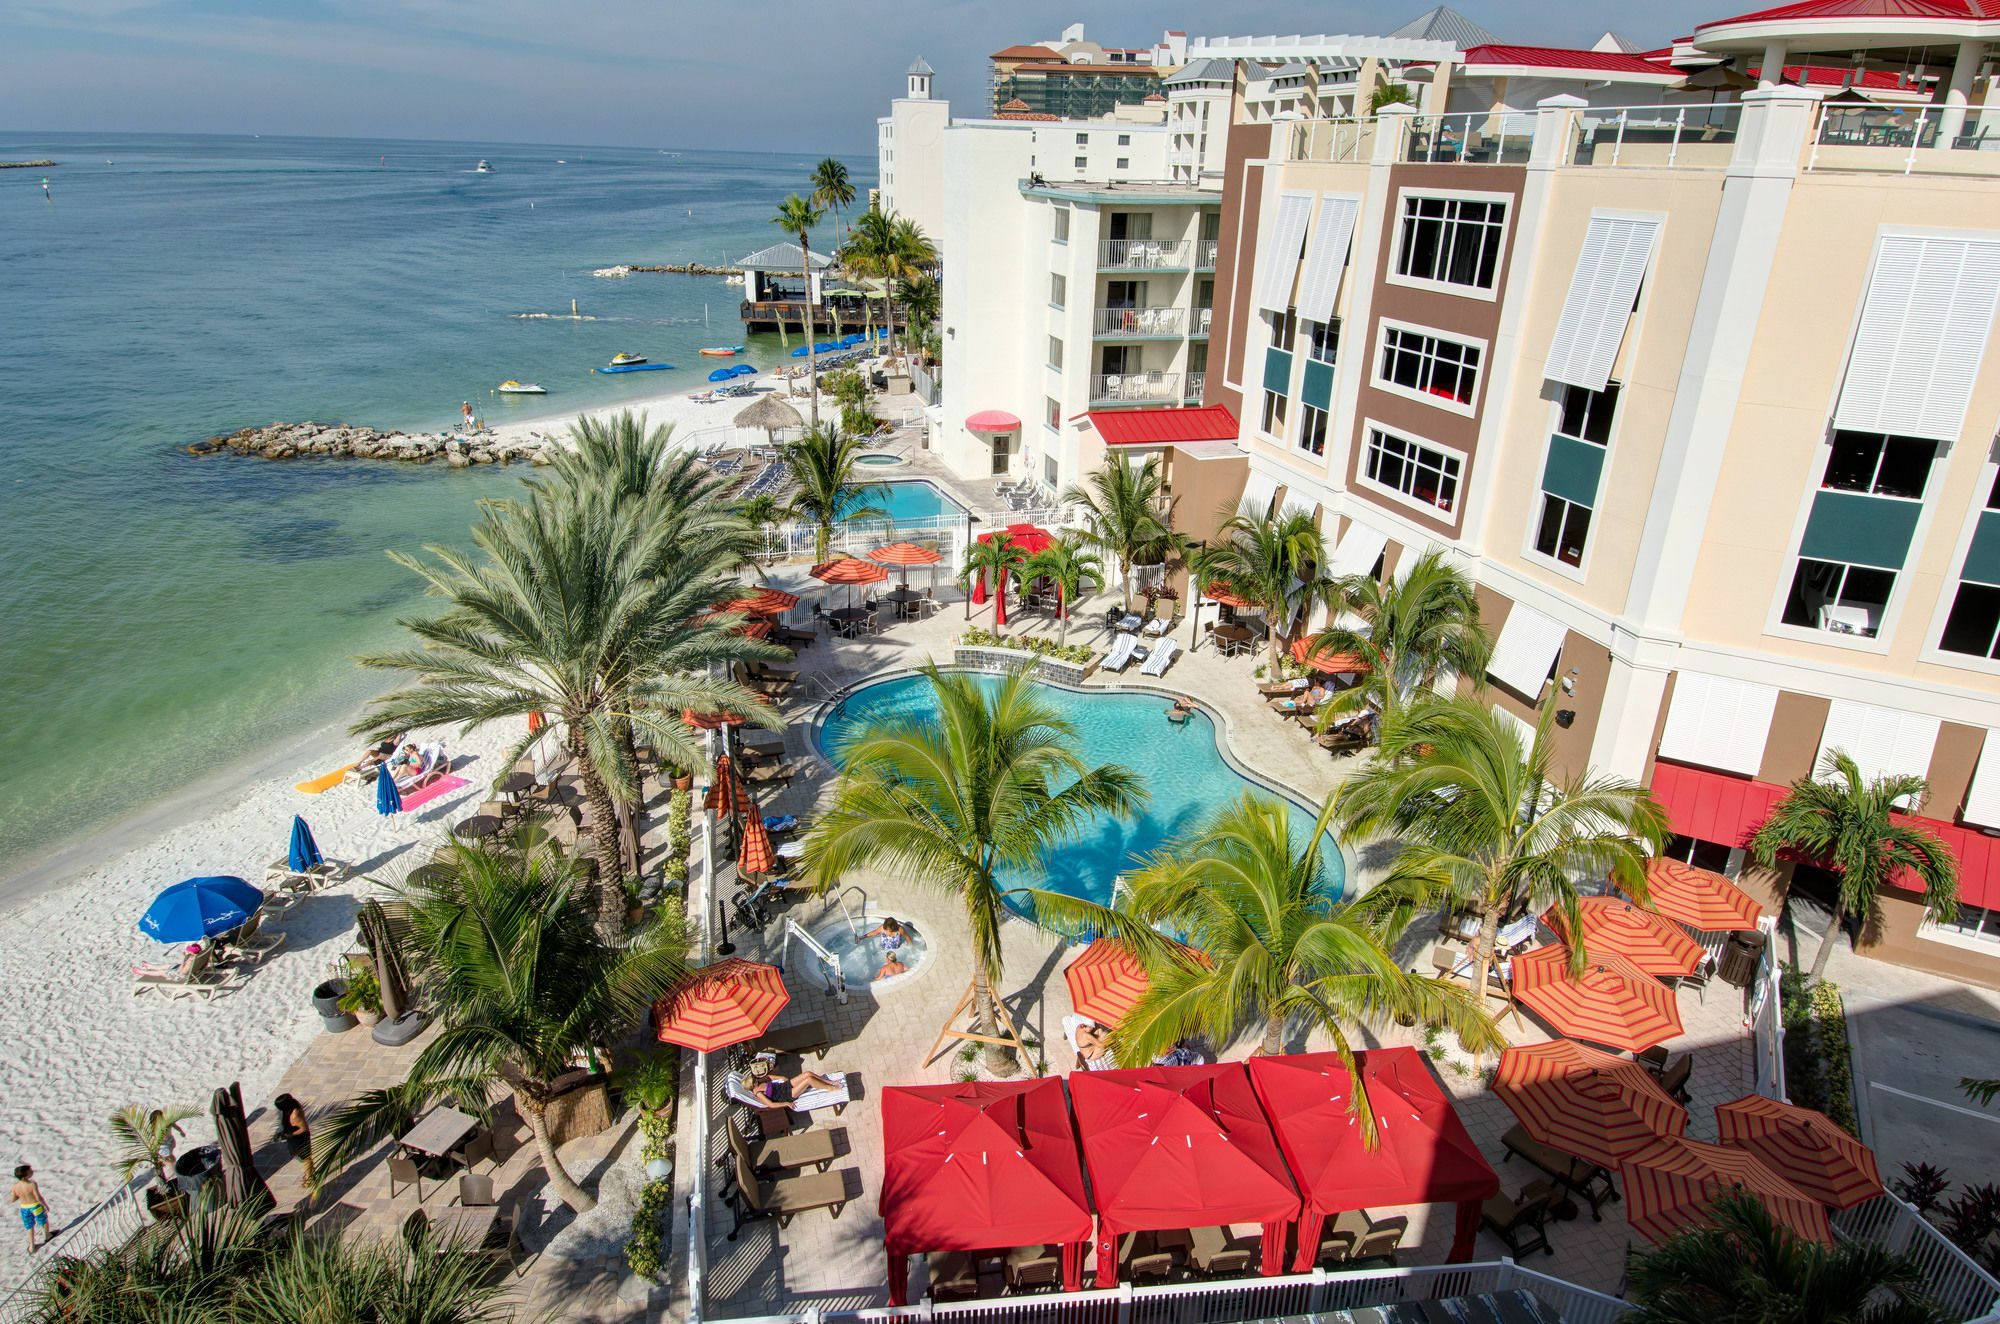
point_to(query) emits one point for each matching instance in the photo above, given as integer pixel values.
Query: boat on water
(483, 168)
(521, 388)
(635, 367)
(723, 351)
(626, 360)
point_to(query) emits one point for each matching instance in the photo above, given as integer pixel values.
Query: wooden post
(1012, 1039)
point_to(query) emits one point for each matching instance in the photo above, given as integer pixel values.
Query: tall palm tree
(1850, 823)
(1276, 562)
(924, 299)
(141, 1138)
(910, 254)
(797, 216)
(990, 783)
(862, 254)
(1070, 565)
(824, 463)
(1742, 1267)
(1417, 633)
(832, 188)
(991, 559)
(521, 984)
(1126, 514)
(1486, 824)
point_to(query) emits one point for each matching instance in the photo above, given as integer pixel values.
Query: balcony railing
(1142, 255)
(1135, 388)
(1197, 384)
(1204, 254)
(1203, 317)
(1904, 139)
(1657, 135)
(1140, 323)
(1475, 138)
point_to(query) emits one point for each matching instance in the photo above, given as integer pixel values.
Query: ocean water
(164, 616)
(1182, 765)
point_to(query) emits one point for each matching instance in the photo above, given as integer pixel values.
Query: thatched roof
(769, 413)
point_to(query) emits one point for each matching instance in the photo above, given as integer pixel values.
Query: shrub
(1921, 1185)
(658, 1131)
(364, 993)
(1028, 643)
(1830, 1035)
(654, 1079)
(642, 1252)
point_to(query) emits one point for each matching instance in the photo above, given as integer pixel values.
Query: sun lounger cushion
(1163, 657)
(1121, 652)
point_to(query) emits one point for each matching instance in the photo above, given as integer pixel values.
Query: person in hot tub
(891, 936)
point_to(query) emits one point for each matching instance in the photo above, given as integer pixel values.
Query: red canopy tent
(1180, 1147)
(1425, 1156)
(980, 1166)
(1027, 540)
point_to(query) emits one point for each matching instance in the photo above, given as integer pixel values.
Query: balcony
(1140, 323)
(1197, 384)
(1136, 388)
(1142, 255)
(1203, 317)
(1204, 254)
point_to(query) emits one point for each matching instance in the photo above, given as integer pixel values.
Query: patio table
(478, 827)
(441, 1131)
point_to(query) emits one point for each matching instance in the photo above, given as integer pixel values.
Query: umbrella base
(400, 1031)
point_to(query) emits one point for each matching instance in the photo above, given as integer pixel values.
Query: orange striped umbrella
(709, 721)
(721, 1004)
(766, 601)
(1698, 898)
(1613, 1002)
(1331, 663)
(1107, 980)
(1670, 1184)
(1222, 592)
(725, 790)
(1806, 1148)
(1648, 940)
(754, 853)
(848, 570)
(1585, 1102)
(905, 554)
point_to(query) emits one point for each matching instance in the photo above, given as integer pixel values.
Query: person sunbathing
(158, 968)
(1092, 1041)
(782, 1091)
(373, 758)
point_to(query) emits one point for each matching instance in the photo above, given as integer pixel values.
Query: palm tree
(1417, 633)
(521, 983)
(1276, 562)
(142, 1137)
(1070, 565)
(990, 783)
(797, 216)
(992, 559)
(910, 254)
(861, 256)
(1486, 824)
(832, 188)
(824, 465)
(925, 300)
(1741, 1267)
(1848, 822)
(1126, 514)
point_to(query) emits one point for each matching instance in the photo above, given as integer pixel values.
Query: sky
(758, 75)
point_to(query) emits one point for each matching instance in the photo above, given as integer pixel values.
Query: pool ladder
(852, 927)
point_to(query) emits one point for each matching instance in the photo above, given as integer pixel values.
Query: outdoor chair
(809, 1148)
(1383, 1242)
(1674, 1080)
(1335, 1245)
(503, 1243)
(172, 982)
(477, 1149)
(1579, 1176)
(403, 1168)
(954, 1275)
(1213, 1254)
(416, 1229)
(475, 1192)
(1698, 981)
(1031, 1267)
(786, 1198)
(1520, 1223)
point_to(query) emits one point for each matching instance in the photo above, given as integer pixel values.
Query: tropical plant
(143, 1138)
(991, 559)
(1742, 1267)
(1486, 824)
(652, 1080)
(797, 216)
(832, 188)
(924, 298)
(1127, 514)
(825, 466)
(910, 254)
(989, 783)
(364, 992)
(1979, 1091)
(870, 254)
(1417, 633)
(1849, 822)
(1389, 94)
(1070, 565)
(1277, 562)
(521, 984)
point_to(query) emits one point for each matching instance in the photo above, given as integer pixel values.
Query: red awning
(1163, 427)
(993, 420)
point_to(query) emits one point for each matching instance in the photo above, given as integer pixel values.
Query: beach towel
(424, 795)
(326, 783)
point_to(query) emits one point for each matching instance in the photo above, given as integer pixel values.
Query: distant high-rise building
(1073, 78)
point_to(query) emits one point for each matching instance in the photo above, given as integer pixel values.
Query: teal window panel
(1860, 529)
(1982, 559)
(1278, 371)
(1573, 469)
(1318, 388)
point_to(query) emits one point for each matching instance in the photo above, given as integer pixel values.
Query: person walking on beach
(34, 1209)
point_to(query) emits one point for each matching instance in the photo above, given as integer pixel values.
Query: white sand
(688, 415)
(79, 1045)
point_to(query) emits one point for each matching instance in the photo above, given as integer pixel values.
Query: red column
(1467, 1232)
(899, 1279)
(1107, 1256)
(1274, 1246)
(1072, 1258)
(1311, 1224)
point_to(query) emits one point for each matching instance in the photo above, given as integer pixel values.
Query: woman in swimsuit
(782, 1091)
(891, 937)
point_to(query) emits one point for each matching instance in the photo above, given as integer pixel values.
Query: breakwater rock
(25, 165)
(676, 268)
(290, 441)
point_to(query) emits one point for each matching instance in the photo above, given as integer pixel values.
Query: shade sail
(1584, 1102)
(1612, 1002)
(1647, 939)
(1698, 898)
(977, 1166)
(1331, 663)
(1180, 1147)
(1806, 1148)
(849, 570)
(721, 1004)
(1670, 1184)
(905, 553)
(765, 601)
(993, 420)
(1425, 1155)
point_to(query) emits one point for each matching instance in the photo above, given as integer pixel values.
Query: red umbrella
(1330, 663)
(1107, 980)
(754, 853)
(1227, 596)
(1584, 1102)
(766, 601)
(1670, 1184)
(1698, 898)
(721, 1004)
(1648, 940)
(709, 721)
(905, 554)
(1612, 1002)
(849, 570)
(1806, 1148)
(723, 790)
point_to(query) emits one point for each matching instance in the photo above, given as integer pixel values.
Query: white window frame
(1383, 326)
(1932, 650)
(1059, 225)
(1931, 931)
(1394, 277)
(1056, 349)
(1431, 510)
(1058, 290)
(1532, 554)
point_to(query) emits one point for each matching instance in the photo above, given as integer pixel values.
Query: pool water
(878, 461)
(1182, 767)
(921, 504)
(862, 958)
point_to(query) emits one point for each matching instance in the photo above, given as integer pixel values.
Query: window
(1845, 599)
(1052, 413)
(1974, 624)
(1572, 471)
(1564, 528)
(1050, 471)
(1324, 343)
(1284, 330)
(1081, 162)
(1710, 855)
(1880, 465)
(1586, 415)
(1451, 241)
(1312, 430)
(1426, 365)
(1274, 413)
(1082, 139)
(1058, 289)
(1412, 469)
(1055, 353)
(1062, 225)
(1973, 922)
(1124, 140)
(1124, 163)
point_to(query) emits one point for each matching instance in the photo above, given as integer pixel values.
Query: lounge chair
(1520, 1223)
(1215, 1254)
(1163, 657)
(954, 1275)
(1579, 1176)
(786, 1198)
(195, 979)
(1384, 1239)
(768, 772)
(1121, 652)
(1031, 1267)
(433, 763)
(1102, 1062)
(1341, 1236)
(808, 1148)
(253, 943)
(805, 1037)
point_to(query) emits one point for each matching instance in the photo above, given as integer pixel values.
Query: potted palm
(363, 998)
(651, 1085)
(143, 1140)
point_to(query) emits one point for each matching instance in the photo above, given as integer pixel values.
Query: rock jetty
(677, 268)
(291, 441)
(25, 165)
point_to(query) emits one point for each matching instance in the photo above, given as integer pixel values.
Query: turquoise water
(163, 616)
(1181, 764)
(920, 503)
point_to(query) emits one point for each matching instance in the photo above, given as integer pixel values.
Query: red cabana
(980, 1166)
(1180, 1147)
(1425, 1155)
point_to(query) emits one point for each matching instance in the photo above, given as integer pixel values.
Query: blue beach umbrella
(305, 851)
(801, 351)
(849, 342)
(388, 800)
(722, 374)
(743, 370)
(199, 908)
(825, 347)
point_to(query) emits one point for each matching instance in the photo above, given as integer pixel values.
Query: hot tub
(861, 959)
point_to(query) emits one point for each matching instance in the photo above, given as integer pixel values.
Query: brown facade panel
(1659, 728)
(1796, 726)
(1892, 933)
(1236, 255)
(1592, 664)
(1953, 762)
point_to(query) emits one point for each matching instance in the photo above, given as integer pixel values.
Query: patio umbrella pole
(725, 947)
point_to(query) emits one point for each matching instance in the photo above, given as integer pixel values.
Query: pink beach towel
(417, 799)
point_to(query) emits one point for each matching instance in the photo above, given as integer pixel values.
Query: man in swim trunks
(34, 1209)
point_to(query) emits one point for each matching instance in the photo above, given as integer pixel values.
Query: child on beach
(34, 1209)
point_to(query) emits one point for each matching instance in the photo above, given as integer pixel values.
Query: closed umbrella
(1584, 1102)
(1670, 1184)
(242, 1186)
(389, 973)
(1612, 1002)
(1648, 940)
(304, 853)
(1806, 1148)
(721, 1004)
(200, 908)
(388, 800)
(754, 854)
(1698, 898)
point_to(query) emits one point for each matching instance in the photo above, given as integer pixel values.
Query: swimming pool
(917, 503)
(881, 461)
(1182, 765)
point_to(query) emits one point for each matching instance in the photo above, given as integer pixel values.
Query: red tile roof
(1026, 53)
(1947, 10)
(1156, 427)
(1552, 57)
(1025, 115)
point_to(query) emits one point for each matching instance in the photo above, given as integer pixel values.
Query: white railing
(1654, 135)
(727, 437)
(1204, 253)
(1204, 319)
(1767, 1019)
(1142, 254)
(1335, 140)
(1113, 322)
(110, 1223)
(1474, 138)
(1135, 387)
(1965, 1290)
(1197, 385)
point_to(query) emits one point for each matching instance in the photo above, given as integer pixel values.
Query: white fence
(1965, 1290)
(1767, 1020)
(111, 1222)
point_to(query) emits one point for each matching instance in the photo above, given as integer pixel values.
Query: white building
(909, 152)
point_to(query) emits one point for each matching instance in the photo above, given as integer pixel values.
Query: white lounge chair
(1122, 649)
(170, 982)
(1102, 1062)
(1163, 656)
(435, 764)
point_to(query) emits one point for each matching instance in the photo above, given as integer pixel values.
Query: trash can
(193, 1168)
(1737, 963)
(326, 1001)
